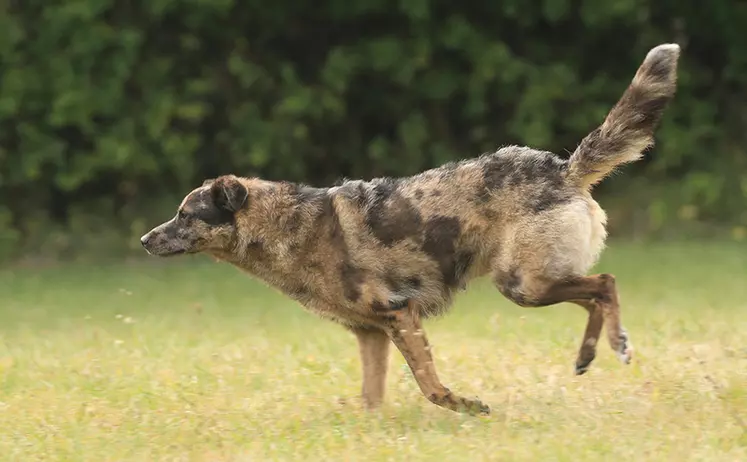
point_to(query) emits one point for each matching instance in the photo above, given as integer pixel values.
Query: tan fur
(379, 256)
(374, 351)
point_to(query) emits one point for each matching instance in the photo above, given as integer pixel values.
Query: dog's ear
(208, 182)
(228, 193)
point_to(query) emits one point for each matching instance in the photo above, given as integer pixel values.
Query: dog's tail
(629, 127)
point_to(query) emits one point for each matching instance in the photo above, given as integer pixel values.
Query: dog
(380, 256)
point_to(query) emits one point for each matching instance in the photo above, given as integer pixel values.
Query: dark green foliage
(108, 105)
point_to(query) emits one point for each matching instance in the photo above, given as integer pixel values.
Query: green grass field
(187, 359)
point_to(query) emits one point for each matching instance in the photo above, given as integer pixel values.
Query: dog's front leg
(373, 344)
(407, 334)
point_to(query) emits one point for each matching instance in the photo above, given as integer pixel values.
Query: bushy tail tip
(659, 65)
(629, 127)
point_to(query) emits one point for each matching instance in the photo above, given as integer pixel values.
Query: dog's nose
(144, 239)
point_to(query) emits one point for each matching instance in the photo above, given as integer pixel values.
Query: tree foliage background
(111, 110)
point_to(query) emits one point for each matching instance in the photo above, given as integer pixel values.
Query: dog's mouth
(165, 253)
(172, 253)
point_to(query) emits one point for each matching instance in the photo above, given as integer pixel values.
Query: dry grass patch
(192, 361)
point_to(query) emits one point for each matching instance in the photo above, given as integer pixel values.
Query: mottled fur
(378, 256)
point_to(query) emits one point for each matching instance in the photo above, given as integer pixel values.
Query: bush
(106, 104)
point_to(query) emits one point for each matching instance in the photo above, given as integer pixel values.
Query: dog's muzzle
(144, 241)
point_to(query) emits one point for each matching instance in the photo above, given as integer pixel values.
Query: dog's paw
(481, 408)
(585, 356)
(475, 407)
(583, 365)
(625, 349)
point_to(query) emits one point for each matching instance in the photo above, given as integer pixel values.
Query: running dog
(380, 256)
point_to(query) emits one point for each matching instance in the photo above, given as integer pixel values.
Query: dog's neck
(275, 233)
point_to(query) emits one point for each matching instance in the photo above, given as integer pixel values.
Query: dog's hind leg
(597, 294)
(373, 345)
(406, 332)
(588, 350)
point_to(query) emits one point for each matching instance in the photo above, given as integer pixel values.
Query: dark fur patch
(391, 217)
(294, 221)
(647, 112)
(488, 213)
(228, 193)
(608, 287)
(256, 251)
(440, 242)
(305, 196)
(329, 220)
(403, 289)
(172, 231)
(414, 282)
(400, 285)
(482, 196)
(418, 194)
(596, 147)
(462, 263)
(202, 207)
(255, 246)
(509, 284)
(546, 197)
(382, 308)
(357, 191)
(299, 292)
(496, 173)
(513, 167)
(351, 277)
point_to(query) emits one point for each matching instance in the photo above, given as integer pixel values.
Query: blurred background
(112, 110)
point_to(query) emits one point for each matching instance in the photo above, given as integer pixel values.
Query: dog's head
(205, 220)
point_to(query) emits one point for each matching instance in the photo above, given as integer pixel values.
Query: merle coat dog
(379, 256)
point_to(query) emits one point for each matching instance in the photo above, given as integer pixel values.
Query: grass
(191, 360)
